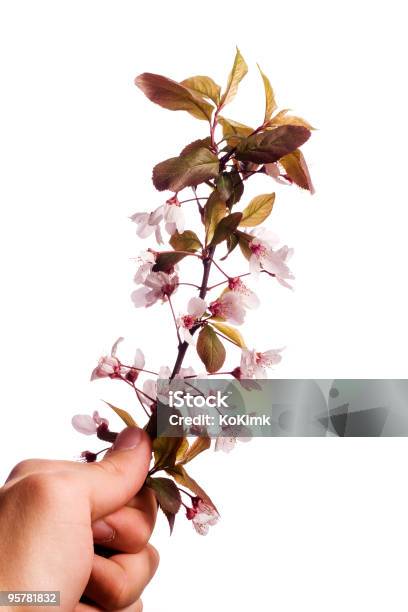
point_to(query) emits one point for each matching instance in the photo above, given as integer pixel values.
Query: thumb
(112, 482)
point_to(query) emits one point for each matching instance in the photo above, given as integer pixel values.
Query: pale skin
(53, 512)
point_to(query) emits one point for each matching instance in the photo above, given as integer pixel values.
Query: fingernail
(128, 438)
(102, 532)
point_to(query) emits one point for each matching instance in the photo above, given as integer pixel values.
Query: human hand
(52, 513)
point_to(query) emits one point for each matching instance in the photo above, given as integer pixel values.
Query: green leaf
(201, 143)
(237, 188)
(297, 170)
(125, 416)
(198, 446)
(165, 262)
(214, 210)
(210, 350)
(173, 96)
(189, 170)
(257, 210)
(167, 495)
(239, 70)
(268, 147)
(226, 227)
(204, 86)
(270, 103)
(233, 132)
(165, 449)
(180, 475)
(187, 241)
(230, 332)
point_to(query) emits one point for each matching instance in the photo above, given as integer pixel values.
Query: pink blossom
(227, 443)
(202, 515)
(149, 395)
(196, 307)
(147, 223)
(157, 286)
(146, 260)
(170, 212)
(132, 373)
(88, 425)
(248, 297)
(264, 257)
(174, 216)
(254, 364)
(229, 306)
(108, 366)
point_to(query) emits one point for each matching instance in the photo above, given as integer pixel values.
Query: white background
(311, 525)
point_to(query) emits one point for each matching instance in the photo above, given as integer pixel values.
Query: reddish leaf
(173, 96)
(167, 495)
(297, 170)
(188, 170)
(165, 262)
(270, 146)
(201, 143)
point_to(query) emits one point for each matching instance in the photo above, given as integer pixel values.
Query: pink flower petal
(84, 423)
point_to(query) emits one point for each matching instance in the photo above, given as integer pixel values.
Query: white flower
(203, 516)
(139, 360)
(254, 364)
(147, 223)
(196, 307)
(173, 216)
(264, 257)
(108, 365)
(132, 373)
(150, 390)
(227, 443)
(86, 424)
(248, 297)
(157, 286)
(177, 384)
(229, 306)
(170, 212)
(146, 260)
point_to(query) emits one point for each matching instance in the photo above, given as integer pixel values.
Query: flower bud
(88, 456)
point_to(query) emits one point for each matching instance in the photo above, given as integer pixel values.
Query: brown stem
(182, 349)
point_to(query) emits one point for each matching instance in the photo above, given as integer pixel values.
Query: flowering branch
(223, 167)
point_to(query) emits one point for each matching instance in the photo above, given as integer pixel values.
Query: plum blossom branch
(272, 150)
